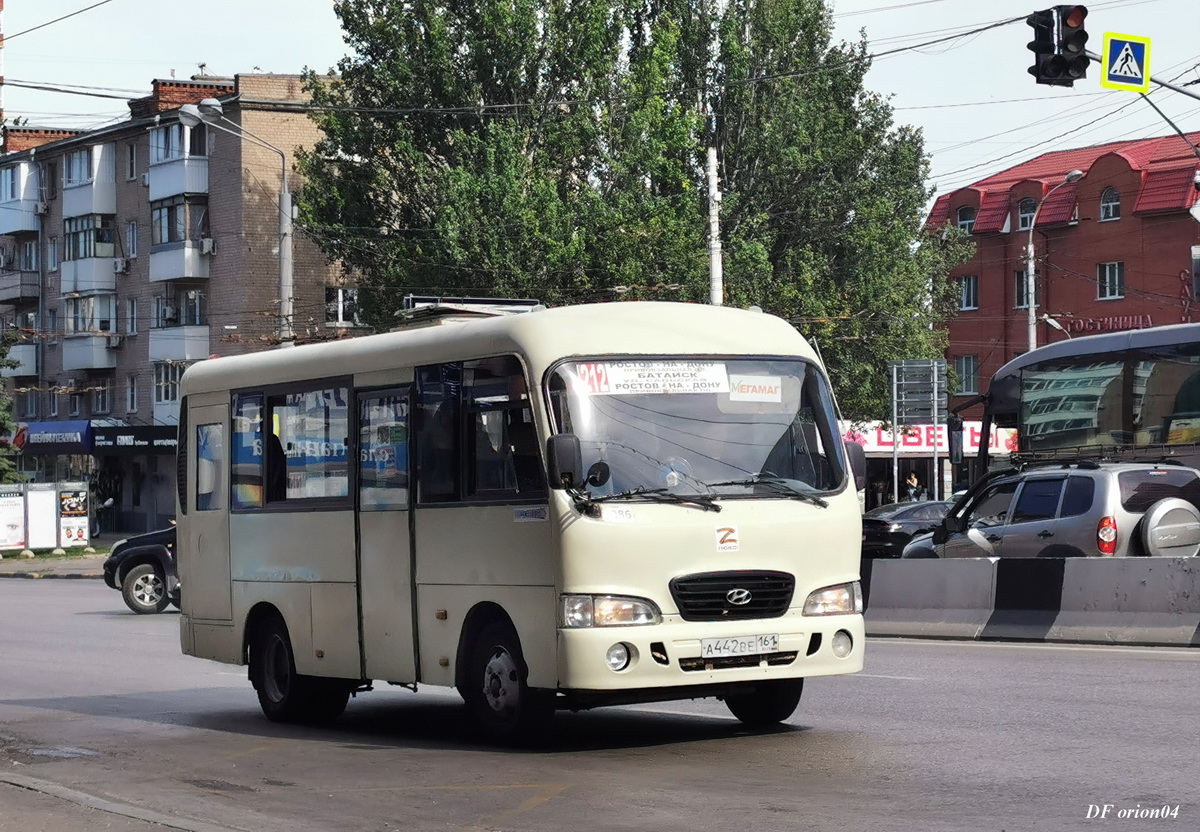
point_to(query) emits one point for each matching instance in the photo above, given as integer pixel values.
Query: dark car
(888, 529)
(143, 568)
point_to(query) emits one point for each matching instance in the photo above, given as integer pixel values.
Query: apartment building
(130, 251)
(1115, 232)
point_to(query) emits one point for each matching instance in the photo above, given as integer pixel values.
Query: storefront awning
(133, 440)
(39, 438)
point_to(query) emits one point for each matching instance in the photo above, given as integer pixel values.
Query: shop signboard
(73, 517)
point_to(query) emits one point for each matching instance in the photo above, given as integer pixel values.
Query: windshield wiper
(661, 495)
(781, 485)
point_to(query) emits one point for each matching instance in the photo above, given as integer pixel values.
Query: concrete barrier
(931, 598)
(1136, 600)
(1130, 601)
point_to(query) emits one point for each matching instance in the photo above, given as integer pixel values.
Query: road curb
(53, 575)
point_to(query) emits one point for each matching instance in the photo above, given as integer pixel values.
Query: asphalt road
(105, 725)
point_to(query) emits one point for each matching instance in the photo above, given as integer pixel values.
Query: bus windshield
(722, 427)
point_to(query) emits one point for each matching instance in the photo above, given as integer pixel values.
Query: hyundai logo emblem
(738, 597)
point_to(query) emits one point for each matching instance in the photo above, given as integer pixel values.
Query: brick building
(128, 252)
(1117, 249)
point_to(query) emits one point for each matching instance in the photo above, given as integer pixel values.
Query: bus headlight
(840, 599)
(606, 611)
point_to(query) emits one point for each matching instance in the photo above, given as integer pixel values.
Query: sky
(979, 109)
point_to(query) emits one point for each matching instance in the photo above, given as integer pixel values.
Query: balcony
(177, 261)
(26, 357)
(90, 198)
(17, 286)
(91, 274)
(179, 343)
(89, 352)
(186, 175)
(17, 215)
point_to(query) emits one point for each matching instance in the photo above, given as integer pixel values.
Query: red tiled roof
(1167, 162)
(992, 212)
(1166, 190)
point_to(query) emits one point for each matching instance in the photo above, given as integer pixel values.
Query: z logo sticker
(727, 539)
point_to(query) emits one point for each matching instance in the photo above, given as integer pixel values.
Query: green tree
(8, 463)
(556, 150)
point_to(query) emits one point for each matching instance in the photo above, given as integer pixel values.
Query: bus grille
(706, 597)
(728, 662)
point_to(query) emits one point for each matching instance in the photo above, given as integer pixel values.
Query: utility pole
(716, 287)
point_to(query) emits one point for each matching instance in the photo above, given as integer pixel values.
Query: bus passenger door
(204, 572)
(385, 559)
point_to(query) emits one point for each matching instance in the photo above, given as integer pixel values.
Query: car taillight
(1106, 535)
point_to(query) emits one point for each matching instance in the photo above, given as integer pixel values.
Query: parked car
(1072, 509)
(143, 569)
(887, 529)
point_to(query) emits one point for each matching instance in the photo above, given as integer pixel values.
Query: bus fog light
(842, 644)
(617, 657)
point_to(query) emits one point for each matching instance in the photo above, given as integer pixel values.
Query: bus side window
(247, 484)
(439, 436)
(210, 462)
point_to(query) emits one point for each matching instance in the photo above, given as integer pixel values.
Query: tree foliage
(8, 464)
(556, 150)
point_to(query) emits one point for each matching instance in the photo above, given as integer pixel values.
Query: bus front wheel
(769, 702)
(503, 705)
(284, 694)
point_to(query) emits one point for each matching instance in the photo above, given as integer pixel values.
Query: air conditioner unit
(120, 265)
(114, 342)
(145, 180)
(208, 245)
(42, 208)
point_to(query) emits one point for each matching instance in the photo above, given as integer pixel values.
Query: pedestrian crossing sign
(1126, 63)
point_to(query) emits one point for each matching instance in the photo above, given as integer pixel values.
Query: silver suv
(1072, 509)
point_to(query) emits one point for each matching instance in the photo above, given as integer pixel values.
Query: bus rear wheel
(284, 694)
(769, 702)
(501, 702)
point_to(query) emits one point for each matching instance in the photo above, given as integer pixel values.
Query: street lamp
(1031, 317)
(209, 112)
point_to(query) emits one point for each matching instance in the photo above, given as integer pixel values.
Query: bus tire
(284, 694)
(769, 703)
(503, 706)
(144, 590)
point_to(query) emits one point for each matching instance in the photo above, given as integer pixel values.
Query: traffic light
(1043, 48)
(1058, 45)
(1071, 40)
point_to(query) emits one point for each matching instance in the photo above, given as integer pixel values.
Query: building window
(131, 397)
(1110, 205)
(52, 324)
(52, 401)
(74, 398)
(131, 170)
(175, 141)
(90, 236)
(341, 307)
(27, 256)
(1025, 211)
(1110, 279)
(131, 240)
(100, 395)
(166, 382)
(77, 169)
(92, 314)
(52, 255)
(9, 180)
(166, 312)
(29, 405)
(49, 181)
(1022, 302)
(966, 218)
(131, 310)
(966, 367)
(177, 219)
(968, 292)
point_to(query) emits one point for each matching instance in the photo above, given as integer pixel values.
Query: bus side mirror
(565, 460)
(858, 464)
(954, 426)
